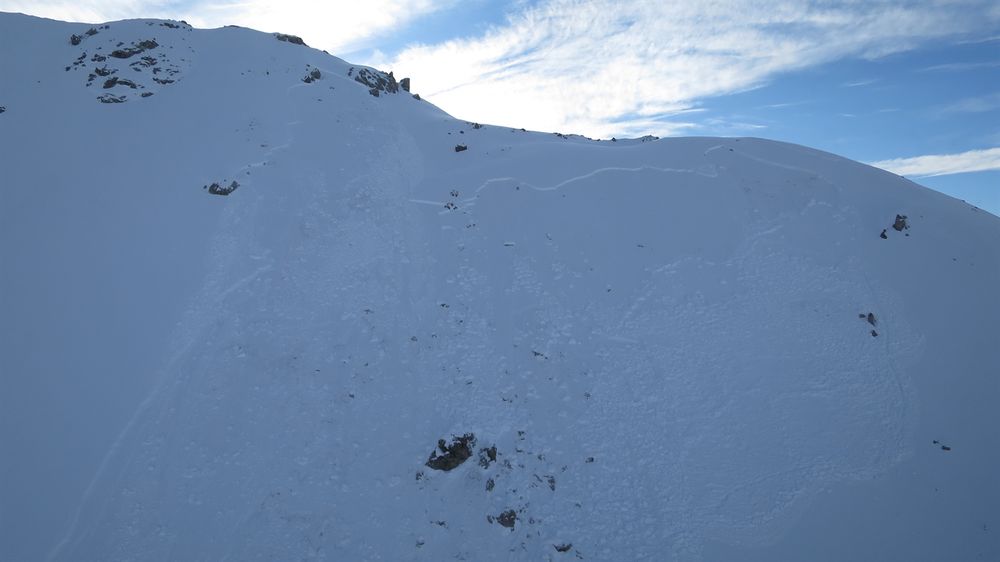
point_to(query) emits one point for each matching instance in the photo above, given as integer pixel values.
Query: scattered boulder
(312, 76)
(487, 455)
(507, 518)
(116, 81)
(110, 98)
(75, 39)
(943, 446)
(145, 94)
(135, 49)
(900, 225)
(3, 108)
(91, 32)
(145, 62)
(451, 455)
(290, 39)
(216, 189)
(460, 147)
(124, 53)
(883, 235)
(562, 547)
(376, 80)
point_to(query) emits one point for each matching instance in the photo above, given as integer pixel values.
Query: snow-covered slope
(681, 349)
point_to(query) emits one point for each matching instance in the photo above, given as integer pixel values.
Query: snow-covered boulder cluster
(376, 80)
(129, 69)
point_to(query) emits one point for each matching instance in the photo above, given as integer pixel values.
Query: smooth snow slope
(661, 339)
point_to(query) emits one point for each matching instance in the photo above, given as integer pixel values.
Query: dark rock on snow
(900, 225)
(376, 81)
(111, 98)
(135, 49)
(451, 455)
(290, 39)
(507, 518)
(216, 189)
(313, 75)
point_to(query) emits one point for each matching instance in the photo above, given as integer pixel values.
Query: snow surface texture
(669, 350)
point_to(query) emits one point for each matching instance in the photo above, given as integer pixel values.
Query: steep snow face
(264, 313)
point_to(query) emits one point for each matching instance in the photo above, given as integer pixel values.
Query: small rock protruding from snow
(217, 189)
(487, 455)
(111, 98)
(451, 455)
(900, 225)
(135, 49)
(507, 518)
(294, 39)
(405, 84)
(312, 76)
(376, 80)
(115, 81)
(460, 147)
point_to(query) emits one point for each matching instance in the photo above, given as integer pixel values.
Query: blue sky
(909, 85)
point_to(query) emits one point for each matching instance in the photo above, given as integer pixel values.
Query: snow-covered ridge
(404, 336)
(158, 55)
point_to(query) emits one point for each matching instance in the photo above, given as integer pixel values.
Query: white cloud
(943, 164)
(91, 11)
(605, 67)
(337, 26)
(960, 66)
(979, 104)
(860, 83)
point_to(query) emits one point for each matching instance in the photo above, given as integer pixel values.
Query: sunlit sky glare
(912, 86)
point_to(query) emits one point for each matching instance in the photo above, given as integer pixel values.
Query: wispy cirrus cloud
(573, 65)
(943, 164)
(859, 83)
(977, 104)
(960, 66)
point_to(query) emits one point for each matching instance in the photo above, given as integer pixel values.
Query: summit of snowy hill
(258, 303)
